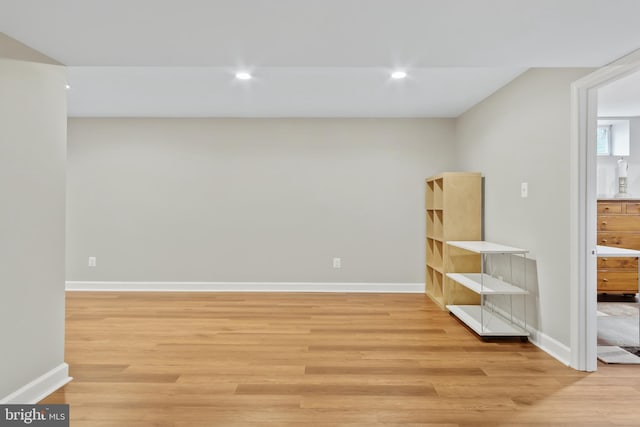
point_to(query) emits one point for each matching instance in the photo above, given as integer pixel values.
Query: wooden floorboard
(282, 359)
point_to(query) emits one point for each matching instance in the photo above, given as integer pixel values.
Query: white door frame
(583, 197)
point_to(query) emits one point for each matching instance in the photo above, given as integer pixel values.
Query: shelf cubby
(435, 286)
(438, 198)
(438, 224)
(430, 221)
(429, 194)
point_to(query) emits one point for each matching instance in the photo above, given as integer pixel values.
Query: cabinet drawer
(620, 239)
(617, 281)
(609, 207)
(615, 262)
(632, 208)
(618, 223)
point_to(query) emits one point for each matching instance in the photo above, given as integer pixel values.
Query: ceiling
(311, 58)
(279, 92)
(620, 98)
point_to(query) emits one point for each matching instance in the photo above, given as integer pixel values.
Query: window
(604, 140)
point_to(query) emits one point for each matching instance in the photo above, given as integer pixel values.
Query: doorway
(583, 256)
(618, 220)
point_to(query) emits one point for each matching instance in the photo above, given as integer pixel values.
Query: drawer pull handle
(605, 280)
(605, 259)
(604, 240)
(604, 222)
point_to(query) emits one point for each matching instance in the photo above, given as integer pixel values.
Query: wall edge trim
(143, 286)
(41, 387)
(551, 346)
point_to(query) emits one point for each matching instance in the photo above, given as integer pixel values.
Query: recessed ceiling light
(398, 75)
(67, 86)
(243, 75)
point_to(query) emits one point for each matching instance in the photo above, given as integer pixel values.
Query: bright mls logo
(34, 415)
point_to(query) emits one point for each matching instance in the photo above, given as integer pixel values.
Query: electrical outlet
(524, 190)
(337, 263)
(92, 261)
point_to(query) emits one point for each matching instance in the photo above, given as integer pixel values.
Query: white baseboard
(39, 388)
(544, 342)
(246, 287)
(551, 346)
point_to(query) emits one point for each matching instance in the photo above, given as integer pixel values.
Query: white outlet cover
(524, 190)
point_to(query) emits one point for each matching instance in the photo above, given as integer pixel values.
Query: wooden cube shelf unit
(453, 212)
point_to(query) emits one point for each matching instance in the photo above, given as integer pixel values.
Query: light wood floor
(200, 359)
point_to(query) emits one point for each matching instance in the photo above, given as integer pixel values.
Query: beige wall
(32, 190)
(521, 134)
(266, 200)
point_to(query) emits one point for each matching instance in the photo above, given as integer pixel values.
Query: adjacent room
(355, 212)
(618, 191)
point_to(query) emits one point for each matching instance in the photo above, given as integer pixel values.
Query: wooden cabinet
(453, 212)
(618, 226)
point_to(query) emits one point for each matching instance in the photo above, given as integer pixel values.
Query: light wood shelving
(453, 212)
